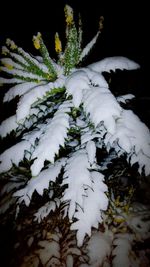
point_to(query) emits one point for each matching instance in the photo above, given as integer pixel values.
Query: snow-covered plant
(66, 116)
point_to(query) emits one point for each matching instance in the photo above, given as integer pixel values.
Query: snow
(18, 58)
(97, 102)
(33, 95)
(18, 90)
(89, 46)
(54, 137)
(46, 209)
(113, 63)
(10, 81)
(139, 222)
(75, 84)
(89, 215)
(124, 98)
(8, 125)
(48, 251)
(13, 155)
(133, 137)
(21, 73)
(99, 247)
(123, 247)
(76, 178)
(91, 151)
(96, 78)
(40, 182)
(9, 61)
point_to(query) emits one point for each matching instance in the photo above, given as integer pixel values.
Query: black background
(125, 33)
(126, 27)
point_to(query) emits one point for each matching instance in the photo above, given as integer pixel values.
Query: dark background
(125, 33)
(126, 27)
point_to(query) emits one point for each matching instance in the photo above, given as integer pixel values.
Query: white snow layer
(46, 209)
(122, 250)
(89, 214)
(133, 137)
(13, 155)
(33, 95)
(101, 105)
(99, 247)
(18, 90)
(113, 63)
(75, 84)
(54, 137)
(89, 46)
(91, 151)
(40, 182)
(76, 176)
(80, 80)
(8, 125)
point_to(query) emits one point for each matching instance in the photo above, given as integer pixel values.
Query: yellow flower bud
(58, 46)
(36, 41)
(118, 219)
(68, 14)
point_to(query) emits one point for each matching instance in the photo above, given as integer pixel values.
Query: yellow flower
(68, 14)
(36, 41)
(8, 66)
(119, 219)
(58, 46)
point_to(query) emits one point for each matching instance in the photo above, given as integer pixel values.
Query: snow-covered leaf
(133, 137)
(99, 247)
(97, 103)
(89, 46)
(75, 84)
(54, 137)
(122, 250)
(13, 155)
(40, 182)
(8, 125)
(33, 95)
(90, 213)
(91, 151)
(18, 90)
(113, 63)
(46, 209)
(76, 177)
(124, 98)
